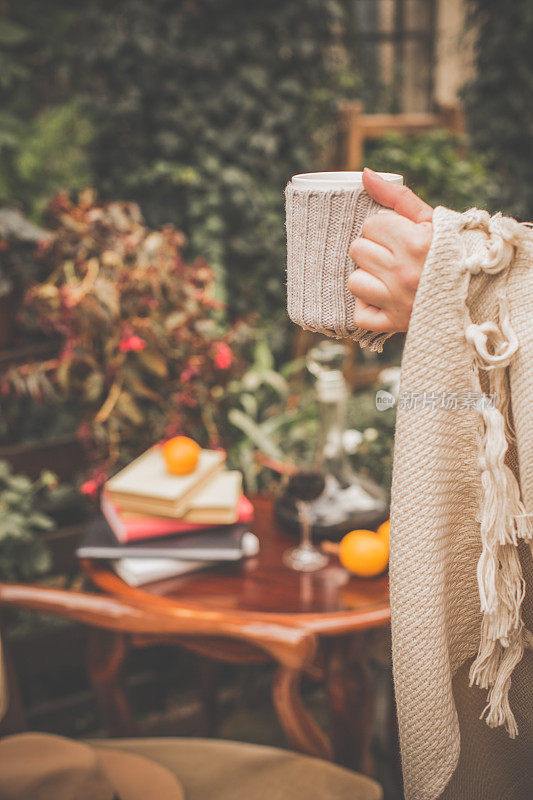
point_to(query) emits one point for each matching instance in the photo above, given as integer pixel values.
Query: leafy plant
(498, 100)
(177, 107)
(19, 238)
(24, 418)
(23, 555)
(202, 111)
(372, 455)
(45, 154)
(276, 414)
(266, 418)
(44, 132)
(144, 353)
(439, 166)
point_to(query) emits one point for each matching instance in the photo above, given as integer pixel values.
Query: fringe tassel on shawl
(504, 519)
(374, 341)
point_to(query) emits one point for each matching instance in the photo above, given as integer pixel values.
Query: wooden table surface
(328, 602)
(255, 610)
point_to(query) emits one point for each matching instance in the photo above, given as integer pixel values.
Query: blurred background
(172, 127)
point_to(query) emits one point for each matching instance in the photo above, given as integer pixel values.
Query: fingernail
(367, 169)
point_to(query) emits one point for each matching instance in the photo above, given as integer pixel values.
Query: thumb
(399, 198)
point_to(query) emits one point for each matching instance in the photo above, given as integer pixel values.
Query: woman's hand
(390, 255)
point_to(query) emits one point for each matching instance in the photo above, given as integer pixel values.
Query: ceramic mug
(325, 212)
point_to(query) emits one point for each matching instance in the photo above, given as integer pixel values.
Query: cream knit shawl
(461, 569)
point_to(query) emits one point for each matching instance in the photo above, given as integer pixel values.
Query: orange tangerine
(364, 553)
(181, 455)
(384, 531)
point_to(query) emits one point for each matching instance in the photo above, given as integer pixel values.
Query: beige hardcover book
(217, 502)
(146, 486)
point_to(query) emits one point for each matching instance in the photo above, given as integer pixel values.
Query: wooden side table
(261, 608)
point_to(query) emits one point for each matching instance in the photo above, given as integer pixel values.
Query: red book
(133, 527)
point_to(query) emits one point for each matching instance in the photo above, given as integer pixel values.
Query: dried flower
(116, 287)
(189, 372)
(90, 488)
(223, 356)
(131, 344)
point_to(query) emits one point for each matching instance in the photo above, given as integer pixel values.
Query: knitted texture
(460, 567)
(320, 228)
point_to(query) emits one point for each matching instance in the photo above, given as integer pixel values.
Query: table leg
(350, 694)
(106, 654)
(208, 674)
(301, 730)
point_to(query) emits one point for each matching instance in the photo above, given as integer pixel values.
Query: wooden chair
(255, 771)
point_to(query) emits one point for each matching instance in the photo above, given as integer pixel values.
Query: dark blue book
(224, 543)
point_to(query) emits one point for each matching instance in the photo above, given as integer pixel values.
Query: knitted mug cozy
(320, 228)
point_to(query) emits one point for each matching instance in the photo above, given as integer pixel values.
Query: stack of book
(156, 525)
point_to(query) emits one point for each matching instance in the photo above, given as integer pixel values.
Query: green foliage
(197, 117)
(276, 415)
(438, 166)
(202, 111)
(143, 353)
(269, 415)
(46, 154)
(498, 100)
(23, 555)
(44, 134)
(373, 455)
(19, 240)
(26, 420)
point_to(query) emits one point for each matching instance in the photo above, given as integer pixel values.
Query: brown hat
(39, 766)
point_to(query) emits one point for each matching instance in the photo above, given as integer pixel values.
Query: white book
(139, 571)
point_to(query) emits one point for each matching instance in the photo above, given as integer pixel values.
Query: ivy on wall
(499, 99)
(202, 110)
(43, 132)
(441, 168)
